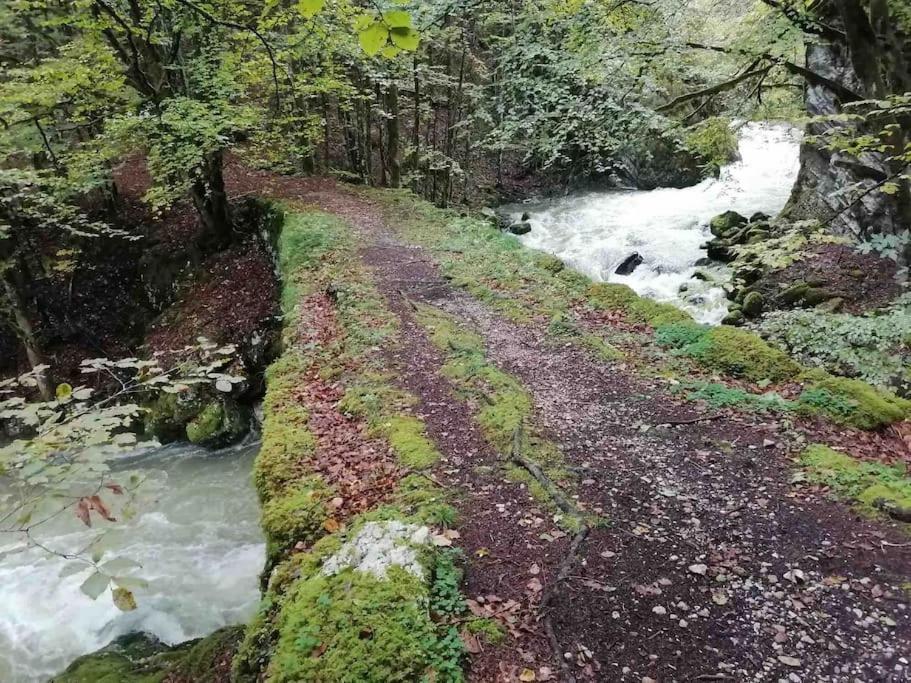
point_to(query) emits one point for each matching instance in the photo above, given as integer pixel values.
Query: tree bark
(211, 200)
(393, 154)
(26, 334)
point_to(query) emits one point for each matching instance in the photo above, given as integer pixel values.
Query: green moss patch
(851, 401)
(870, 485)
(350, 626)
(297, 516)
(616, 297)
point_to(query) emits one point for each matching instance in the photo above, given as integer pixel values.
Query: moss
(721, 396)
(133, 658)
(355, 627)
(851, 401)
(741, 353)
(616, 297)
(217, 425)
(488, 630)
(407, 437)
(869, 484)
(296, 517)
(549, 263)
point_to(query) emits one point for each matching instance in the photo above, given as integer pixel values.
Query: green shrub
(714, 141)
(875, 348)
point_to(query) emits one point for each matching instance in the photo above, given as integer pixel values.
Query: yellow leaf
(331, 525)
(124, 599)
(527, 675)
(64, 392)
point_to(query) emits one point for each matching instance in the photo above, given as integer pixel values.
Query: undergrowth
(872, 486)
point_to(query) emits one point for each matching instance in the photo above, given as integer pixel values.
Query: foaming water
(197, 536)
(595, 232)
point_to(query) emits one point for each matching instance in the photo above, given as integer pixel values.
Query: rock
(747, 275)
(734, 318)
(833, 305)
(630, 263)
(219, 424)
(759, 217)
(520, 228)
(719, 250)
(753, 304)
(704, 261)
(704, 277)
(726, 222)
(525, 217)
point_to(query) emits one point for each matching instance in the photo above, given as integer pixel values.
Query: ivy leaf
(124, 599)
(309, 8)
(405, 38)
(95, 585)
(373, 38)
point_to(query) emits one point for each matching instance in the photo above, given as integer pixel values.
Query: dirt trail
(710, 566)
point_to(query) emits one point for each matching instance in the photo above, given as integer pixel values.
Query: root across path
(676, 548)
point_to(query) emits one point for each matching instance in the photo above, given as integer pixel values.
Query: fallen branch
(706, 418)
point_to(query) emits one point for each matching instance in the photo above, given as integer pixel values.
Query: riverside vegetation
(476, 462)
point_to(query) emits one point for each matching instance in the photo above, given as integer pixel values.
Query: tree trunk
(392, 135)
(211, 200)
(26, 334)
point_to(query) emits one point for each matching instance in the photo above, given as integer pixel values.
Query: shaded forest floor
(706, 559)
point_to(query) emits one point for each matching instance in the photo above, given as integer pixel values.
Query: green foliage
(714, 141)
(870, 484)
(873, 347)
(722, 396)
(788, 244)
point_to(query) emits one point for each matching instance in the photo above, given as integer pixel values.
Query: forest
(418, 340)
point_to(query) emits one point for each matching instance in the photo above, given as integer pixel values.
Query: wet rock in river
(630, 263)
(522, 228)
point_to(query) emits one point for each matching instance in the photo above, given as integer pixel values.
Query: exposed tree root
(569, 560)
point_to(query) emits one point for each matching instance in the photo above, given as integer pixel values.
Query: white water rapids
(197, 536)
(595, 232)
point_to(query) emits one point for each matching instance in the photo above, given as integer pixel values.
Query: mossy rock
(142, 658)
(804, 294)
(297, 516)
(719, 250)
(622, 298)
(734, 318)
(741, 353)
(851, 401)
(753, 304)
(726, 222)
(549, 263)
(219, 424)
(354, 628)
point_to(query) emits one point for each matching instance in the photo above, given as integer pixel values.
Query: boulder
(759, 217)
(219, 424)
(719, 250)
(630, 263)
(734, 318)
(522, 228)
(753, 304)
(726, 222)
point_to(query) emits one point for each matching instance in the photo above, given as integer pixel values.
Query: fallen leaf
(527, 675)
(124, 599)
(331, 525)
(534, 586)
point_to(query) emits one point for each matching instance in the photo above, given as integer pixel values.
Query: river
(594, 232)
(196, 535)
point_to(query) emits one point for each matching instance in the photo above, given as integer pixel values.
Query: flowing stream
(595, 232)
(196, 535)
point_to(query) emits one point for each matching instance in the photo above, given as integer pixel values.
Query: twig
(678, 423)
